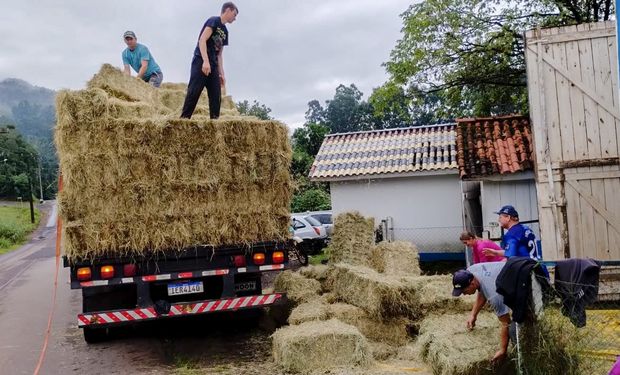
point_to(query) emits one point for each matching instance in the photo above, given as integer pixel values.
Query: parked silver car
(325, 218)
(310, 231)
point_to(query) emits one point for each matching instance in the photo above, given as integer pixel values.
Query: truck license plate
(246, 286)
(185, 288)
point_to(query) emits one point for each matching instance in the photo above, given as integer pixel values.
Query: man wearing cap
(140, 59)
(481, 277)
(519, 240)
(207, 68)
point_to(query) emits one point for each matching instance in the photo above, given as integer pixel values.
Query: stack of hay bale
(374, 293)
(137, 180)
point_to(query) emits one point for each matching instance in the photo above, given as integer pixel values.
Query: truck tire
(95, 335)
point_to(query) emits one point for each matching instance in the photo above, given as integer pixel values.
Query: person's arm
(480, 301)
(202, 46)
(220, 62)
(503, 338)
(143, 65)
(125, 64)
(493, 252)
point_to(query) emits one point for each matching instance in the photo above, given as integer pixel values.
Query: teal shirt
(134, 59)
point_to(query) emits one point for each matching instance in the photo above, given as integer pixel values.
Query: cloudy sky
(282, 53)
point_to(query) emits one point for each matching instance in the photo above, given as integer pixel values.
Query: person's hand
(489, 252)
(471, 322)
(222, 81)
(206, 68)
(499, 356)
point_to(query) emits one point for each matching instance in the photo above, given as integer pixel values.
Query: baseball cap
(508, 210)
(461, 280)
(129, 34)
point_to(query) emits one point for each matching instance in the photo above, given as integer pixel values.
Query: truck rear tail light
(129, 270)
(84, 274)
(239, 260)
(259, 258)
(317, 230)
(278, 257)
(107, 272)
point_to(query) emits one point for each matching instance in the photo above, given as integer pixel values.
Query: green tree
(347, 112)
(469, 53)
(311, 200)
(255, 109)
(309, 138)
(18, 162)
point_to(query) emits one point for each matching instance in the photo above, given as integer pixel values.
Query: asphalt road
(26, 290)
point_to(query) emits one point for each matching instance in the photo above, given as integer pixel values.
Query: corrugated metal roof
(491, 146)
(383, 152)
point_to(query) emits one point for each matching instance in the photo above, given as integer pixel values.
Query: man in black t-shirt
(208, 63)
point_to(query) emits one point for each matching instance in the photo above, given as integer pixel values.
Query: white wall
(519, 193)
(427, 210)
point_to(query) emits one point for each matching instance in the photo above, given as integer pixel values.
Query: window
(323, 218)
(298, 224)
(314, 222)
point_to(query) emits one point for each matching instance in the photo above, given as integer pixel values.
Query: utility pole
(30, 200)
(40, 183)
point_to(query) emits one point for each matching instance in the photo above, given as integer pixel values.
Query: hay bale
(299, 289)
(316, 346)
(318, 272)
(138, 182)
(383, 297)
(436, 295)
(391, 332)
(449, 348)
(352, 240)
(554, 336)
(381, 351)
(119, 85)
(309, 311)
(395, 258)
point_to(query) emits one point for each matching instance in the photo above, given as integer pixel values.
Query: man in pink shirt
(478, 245)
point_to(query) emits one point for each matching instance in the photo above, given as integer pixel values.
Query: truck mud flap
(179, 309)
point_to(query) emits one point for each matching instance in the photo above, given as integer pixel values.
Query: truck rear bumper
(118, 317)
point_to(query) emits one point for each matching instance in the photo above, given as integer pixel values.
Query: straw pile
(392, 332)
(352, 240)
(395, 258)
(320, 345)
(137, 180)
(298, 288)
(383, 297)
(451, 349)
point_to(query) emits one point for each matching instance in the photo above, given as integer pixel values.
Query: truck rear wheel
(95, 335)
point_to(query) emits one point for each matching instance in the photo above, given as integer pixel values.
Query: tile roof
(384, 152)
(491, 146)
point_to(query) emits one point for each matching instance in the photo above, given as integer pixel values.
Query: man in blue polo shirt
(519, 240)
(140, 59)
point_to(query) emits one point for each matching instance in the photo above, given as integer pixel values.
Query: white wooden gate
(573, 93)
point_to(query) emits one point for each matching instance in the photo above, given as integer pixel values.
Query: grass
(318, 258)
(15, 226)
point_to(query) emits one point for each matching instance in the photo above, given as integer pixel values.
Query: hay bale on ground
(309, 311)
(449, 348)
(395, 258)
(383, 297)
(436, 295)
(352, 240)
(573, 350)
(299, 289)
(136, 182)
(318, 272)
(318, 345)
(391, 332)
